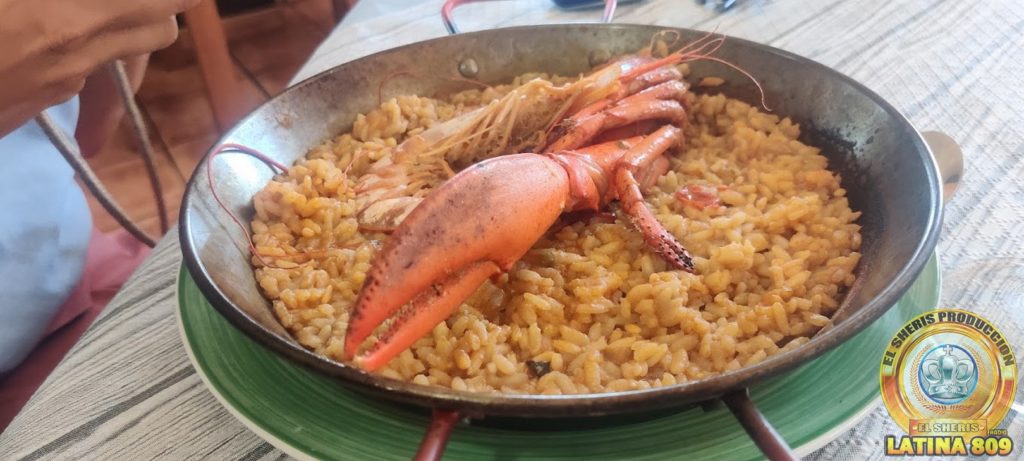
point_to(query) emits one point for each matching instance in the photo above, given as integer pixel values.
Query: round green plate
(310, 416)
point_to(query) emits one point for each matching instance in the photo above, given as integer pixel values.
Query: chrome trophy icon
(948, 374)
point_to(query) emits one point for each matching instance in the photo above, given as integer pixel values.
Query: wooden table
(127, 390)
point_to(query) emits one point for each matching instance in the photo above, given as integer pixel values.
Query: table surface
(128, 391)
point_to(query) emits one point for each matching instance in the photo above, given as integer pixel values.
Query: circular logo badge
(948, 372)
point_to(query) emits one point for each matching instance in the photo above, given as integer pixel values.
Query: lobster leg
(637, 162)
(654, 77)
(631, 165)
(660, 102)
(643, 83)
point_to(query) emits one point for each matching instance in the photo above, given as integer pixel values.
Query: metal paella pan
(884, 162)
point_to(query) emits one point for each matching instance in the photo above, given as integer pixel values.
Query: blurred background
(267, 41)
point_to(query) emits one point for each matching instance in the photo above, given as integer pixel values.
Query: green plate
(309, 416)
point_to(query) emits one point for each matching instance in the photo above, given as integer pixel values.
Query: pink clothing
(110, 260)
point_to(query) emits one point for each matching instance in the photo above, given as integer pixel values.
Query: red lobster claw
(474, 226)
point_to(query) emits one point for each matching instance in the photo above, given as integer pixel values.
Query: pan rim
(591, 403)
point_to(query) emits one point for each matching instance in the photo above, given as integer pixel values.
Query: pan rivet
(598, 57)
(468, 68)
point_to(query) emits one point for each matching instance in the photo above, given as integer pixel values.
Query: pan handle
(949, 158)
(450, 5)
(757, 426)
(436, 437)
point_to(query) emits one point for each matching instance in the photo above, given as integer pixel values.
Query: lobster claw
(474, 226)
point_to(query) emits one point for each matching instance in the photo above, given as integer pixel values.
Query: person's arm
(101, 105)
(50, 47)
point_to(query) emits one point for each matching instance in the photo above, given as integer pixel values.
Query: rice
(590, 308)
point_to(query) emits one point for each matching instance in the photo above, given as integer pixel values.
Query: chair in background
(215, 63)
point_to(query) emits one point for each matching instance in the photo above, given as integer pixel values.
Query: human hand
(52, 46)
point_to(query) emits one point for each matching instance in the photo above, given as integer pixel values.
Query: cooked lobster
(481, 221)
